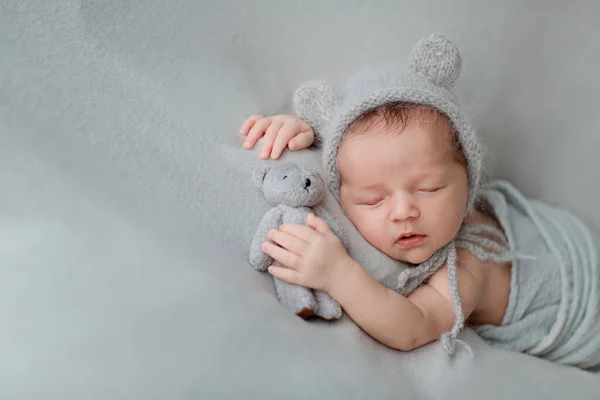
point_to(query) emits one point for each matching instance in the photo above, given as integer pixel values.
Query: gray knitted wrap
(435, 66)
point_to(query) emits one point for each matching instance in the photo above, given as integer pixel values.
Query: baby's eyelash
(431, 190)
(372, 202)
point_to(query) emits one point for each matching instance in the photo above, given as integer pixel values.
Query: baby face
(405, 192)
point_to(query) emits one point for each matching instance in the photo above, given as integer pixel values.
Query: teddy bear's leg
(327, 307)
(299, 299)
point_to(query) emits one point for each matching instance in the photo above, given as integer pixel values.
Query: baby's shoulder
(483, 269)
(484, 215)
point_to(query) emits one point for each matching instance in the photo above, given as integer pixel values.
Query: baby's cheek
(443, 222)
(361, 223)
(373, 231)
(370, 231)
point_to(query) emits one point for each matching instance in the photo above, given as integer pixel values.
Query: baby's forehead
(422, 145)
(431, 144)
(412, 154)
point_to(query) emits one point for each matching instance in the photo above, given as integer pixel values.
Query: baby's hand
(313, 254)
(280, 131)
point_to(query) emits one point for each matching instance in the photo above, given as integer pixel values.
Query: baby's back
(554, 287)
(497, 277)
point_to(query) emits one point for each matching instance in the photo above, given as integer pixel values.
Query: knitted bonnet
(435, 65)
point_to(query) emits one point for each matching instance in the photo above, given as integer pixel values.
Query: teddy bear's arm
(322, 213)
(271, 220)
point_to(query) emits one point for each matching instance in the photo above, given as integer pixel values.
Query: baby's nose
(403, 208)
(306, 183)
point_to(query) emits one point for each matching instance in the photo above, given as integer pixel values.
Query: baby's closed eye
(431, 189)
(372, 201)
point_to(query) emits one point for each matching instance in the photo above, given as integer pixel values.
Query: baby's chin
(414, 256)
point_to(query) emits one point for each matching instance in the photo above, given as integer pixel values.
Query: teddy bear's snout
(306, 183)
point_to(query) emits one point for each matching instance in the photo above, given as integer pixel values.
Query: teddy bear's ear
(438, 59)
(315, 102)
(259, 175)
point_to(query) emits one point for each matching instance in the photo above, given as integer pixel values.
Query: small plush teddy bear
(294, 191)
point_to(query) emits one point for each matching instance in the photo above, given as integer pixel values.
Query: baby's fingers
(256, 132)
(286, 133)
(280, 254)
(269, 139)
(249, 123)
(302, 140)
(285, 274)
(318, 224)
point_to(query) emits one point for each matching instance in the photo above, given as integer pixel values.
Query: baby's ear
(259, 175)
(315, 102)
(438, 59)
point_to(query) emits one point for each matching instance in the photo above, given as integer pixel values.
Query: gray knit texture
(474, 239)
(435, 66)
(554, 304)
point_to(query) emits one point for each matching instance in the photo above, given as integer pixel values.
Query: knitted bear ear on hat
(438, 59)
(315, 102)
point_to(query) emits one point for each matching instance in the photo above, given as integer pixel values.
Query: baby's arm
(406, 323)
(279, 131)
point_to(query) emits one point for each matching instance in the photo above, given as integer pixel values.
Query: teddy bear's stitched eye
(285, 177)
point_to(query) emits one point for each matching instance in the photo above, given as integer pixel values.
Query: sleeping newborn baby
(404, 164)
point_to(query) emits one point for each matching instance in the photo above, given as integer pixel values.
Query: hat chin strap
(472, 239)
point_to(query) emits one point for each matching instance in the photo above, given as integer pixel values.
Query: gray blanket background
(126, 204)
